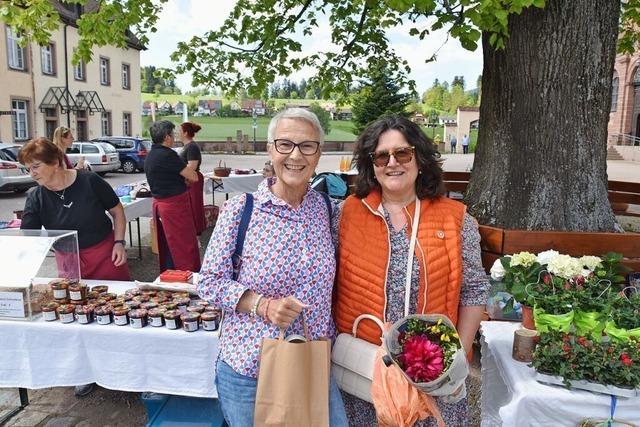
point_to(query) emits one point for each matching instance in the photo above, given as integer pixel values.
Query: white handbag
(352, 361)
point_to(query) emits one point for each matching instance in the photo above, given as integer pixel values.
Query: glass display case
(29, 254)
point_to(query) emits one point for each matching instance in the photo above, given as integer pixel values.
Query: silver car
(13, 175)
(100, 156)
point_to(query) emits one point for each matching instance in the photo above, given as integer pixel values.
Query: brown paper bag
(293, 383)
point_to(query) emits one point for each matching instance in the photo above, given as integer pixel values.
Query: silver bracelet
(254, 310)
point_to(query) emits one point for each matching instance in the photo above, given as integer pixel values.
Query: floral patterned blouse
(287, 251)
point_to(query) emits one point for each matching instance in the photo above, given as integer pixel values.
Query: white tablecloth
(512, 397)
(43, 354)
(138, 208)
(234, 183)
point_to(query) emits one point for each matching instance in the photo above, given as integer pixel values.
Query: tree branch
(278, 33)
(347, 48)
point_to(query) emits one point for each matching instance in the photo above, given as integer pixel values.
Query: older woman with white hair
(288, 266)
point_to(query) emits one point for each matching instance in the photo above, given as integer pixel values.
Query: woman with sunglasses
(63, 138)
(399, 180)
(288, 266)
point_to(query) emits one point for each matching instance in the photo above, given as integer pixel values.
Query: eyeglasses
(307, 148)
(402, 155)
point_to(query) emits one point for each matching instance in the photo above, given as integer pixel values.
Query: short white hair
(297, 114)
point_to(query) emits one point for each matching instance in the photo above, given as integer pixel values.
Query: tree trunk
(540, 162)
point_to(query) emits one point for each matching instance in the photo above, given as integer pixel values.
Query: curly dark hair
(429, 184)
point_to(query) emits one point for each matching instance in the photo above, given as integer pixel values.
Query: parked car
(102, 157)
(132, 151)
(13, 175)
(11, 149)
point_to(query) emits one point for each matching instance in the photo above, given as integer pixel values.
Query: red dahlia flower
(625, 359)
(423, 360)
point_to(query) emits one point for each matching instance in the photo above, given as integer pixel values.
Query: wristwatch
(124, 242)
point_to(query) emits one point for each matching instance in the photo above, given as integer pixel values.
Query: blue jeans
(237, 396)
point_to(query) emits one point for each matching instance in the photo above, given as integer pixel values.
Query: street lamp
(255, 126)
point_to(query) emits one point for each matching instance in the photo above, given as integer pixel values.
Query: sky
(181, 19)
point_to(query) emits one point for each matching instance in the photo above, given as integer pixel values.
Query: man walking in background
(465, 144)
(453, 142)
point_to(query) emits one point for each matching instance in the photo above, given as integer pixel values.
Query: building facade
(624, 119)
(40, 88)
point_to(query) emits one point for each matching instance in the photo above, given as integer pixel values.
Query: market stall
(41, 354)
(234, 183)
(511, 396)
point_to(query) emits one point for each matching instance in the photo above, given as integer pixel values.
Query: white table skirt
(512, 397)
(140, 207)
(43, 354)
(234, 183)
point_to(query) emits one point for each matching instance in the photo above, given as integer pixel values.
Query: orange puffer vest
(363, 261)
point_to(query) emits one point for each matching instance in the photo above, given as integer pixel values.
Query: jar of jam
(62, 300)
(150, 293)
(180, 294)
(60, 289)
(103, 314)
(138, 318)
(132, 291)
(149, 305)
(172, 319)
(77, 292)
(101, 289)
(155, 317)
(195, 309)
(119, 300)
(127, 297)
(200, 303)
(84, 314)
(109, 296)
(182, 304)
(65, 313)
(121, 316)
(170, 305)
(141, 298)
(93, 295)
(210, 320)
(132, 304)
(190, 321)
(49, 312)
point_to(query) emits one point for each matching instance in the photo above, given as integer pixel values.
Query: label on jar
(49, 315)
(190, 326)
(155, 321)
(66, 317)
(136, 322)
(75, 295)
(103, 319)
(60, 293)
(120, 320)
(171, 324)
(210, 325)
(83, 318)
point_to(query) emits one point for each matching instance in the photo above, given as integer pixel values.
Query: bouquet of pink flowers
(428, 351)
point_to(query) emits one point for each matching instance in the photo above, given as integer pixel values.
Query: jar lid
(86, 309)
(132, 304)
(102, 310)
(190, 317)
(58, 284)
(149, 305)
(66, 308)
(182, 301)
(209, 315)
(195, 309)
(171, 314)
(119, 311)
(138, 313)
(50, 306)
(154, 312)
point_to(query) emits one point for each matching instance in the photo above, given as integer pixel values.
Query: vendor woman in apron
(69, 199)
(192, 156)
(172, 213)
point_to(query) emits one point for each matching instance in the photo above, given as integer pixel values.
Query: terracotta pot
(527, 318)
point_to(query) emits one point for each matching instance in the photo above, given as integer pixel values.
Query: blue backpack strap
(327, 200)
(236, 258)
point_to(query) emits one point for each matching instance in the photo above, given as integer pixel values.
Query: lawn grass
(219, 128)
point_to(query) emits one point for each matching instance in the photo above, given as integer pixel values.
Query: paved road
(619, 170)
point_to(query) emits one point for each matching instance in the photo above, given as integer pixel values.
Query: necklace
(61, 195)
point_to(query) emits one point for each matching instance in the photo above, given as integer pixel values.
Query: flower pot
(527, 318)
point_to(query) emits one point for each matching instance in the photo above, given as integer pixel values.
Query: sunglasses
(402, 155)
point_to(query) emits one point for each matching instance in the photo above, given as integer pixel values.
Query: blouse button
(440, 234)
